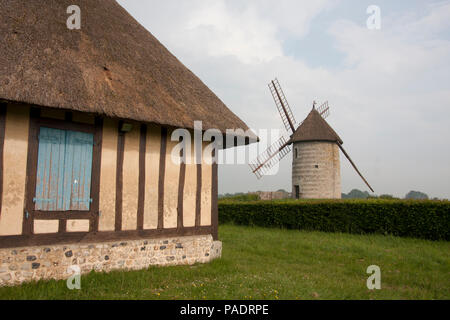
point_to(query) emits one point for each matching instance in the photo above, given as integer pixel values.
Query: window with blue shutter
(64, 170)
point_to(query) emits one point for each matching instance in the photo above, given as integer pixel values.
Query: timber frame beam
(93, 237)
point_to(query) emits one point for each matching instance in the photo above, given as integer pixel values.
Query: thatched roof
(112, 66)
(315, 128)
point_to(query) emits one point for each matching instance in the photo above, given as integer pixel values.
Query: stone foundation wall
(19, 265)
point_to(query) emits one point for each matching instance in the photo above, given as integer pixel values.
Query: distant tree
(356, 194)
(387, 197)
(416, 195)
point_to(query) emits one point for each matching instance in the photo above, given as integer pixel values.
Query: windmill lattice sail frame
(324, 110)
(277, 151)
(269, 158)
(282, 105)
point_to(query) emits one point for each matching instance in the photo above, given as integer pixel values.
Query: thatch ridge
(315, 128)
(112, 66)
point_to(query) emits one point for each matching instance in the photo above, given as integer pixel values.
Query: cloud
(250, 31)
(220, 31)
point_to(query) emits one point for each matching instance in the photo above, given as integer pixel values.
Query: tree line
(354, 194)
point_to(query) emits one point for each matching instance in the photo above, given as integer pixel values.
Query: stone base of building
(25, 264)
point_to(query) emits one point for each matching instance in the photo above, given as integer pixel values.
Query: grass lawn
(262, 263)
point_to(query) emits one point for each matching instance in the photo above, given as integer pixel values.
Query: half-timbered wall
(15, 146)
(137, 191)
(108, 176)
(152, 172)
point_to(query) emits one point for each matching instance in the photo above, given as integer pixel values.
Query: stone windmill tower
(315, 145)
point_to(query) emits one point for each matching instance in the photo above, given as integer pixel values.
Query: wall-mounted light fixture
(126, 127)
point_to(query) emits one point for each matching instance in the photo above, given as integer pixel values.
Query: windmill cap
(315, 128)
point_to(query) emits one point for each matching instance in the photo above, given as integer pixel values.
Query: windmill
(316, 164)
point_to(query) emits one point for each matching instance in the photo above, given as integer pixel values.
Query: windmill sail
(354, 166)
(269, 158)
(282, 105)
(324, 110)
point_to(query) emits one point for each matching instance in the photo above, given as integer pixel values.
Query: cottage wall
(171, 183)
(14, 169)
(108, 175)
(142, 193)
(190, 192)
(197, 191)
(152, 163)
(130, 174)
(206, 195)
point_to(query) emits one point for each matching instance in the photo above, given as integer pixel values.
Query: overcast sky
(388, 89)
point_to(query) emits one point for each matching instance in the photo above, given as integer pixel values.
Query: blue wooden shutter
(64, 170)
(78, 169)
(50, 170)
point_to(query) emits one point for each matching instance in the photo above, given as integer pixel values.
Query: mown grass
(260, 263)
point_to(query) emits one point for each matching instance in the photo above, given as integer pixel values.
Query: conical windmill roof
(315, 128)
(111, 66)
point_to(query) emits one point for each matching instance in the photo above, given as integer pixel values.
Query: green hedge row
(418, 219)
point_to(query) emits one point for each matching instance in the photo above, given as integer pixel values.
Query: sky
(388, 88)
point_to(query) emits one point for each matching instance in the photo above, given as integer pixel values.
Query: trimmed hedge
(417, 219)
